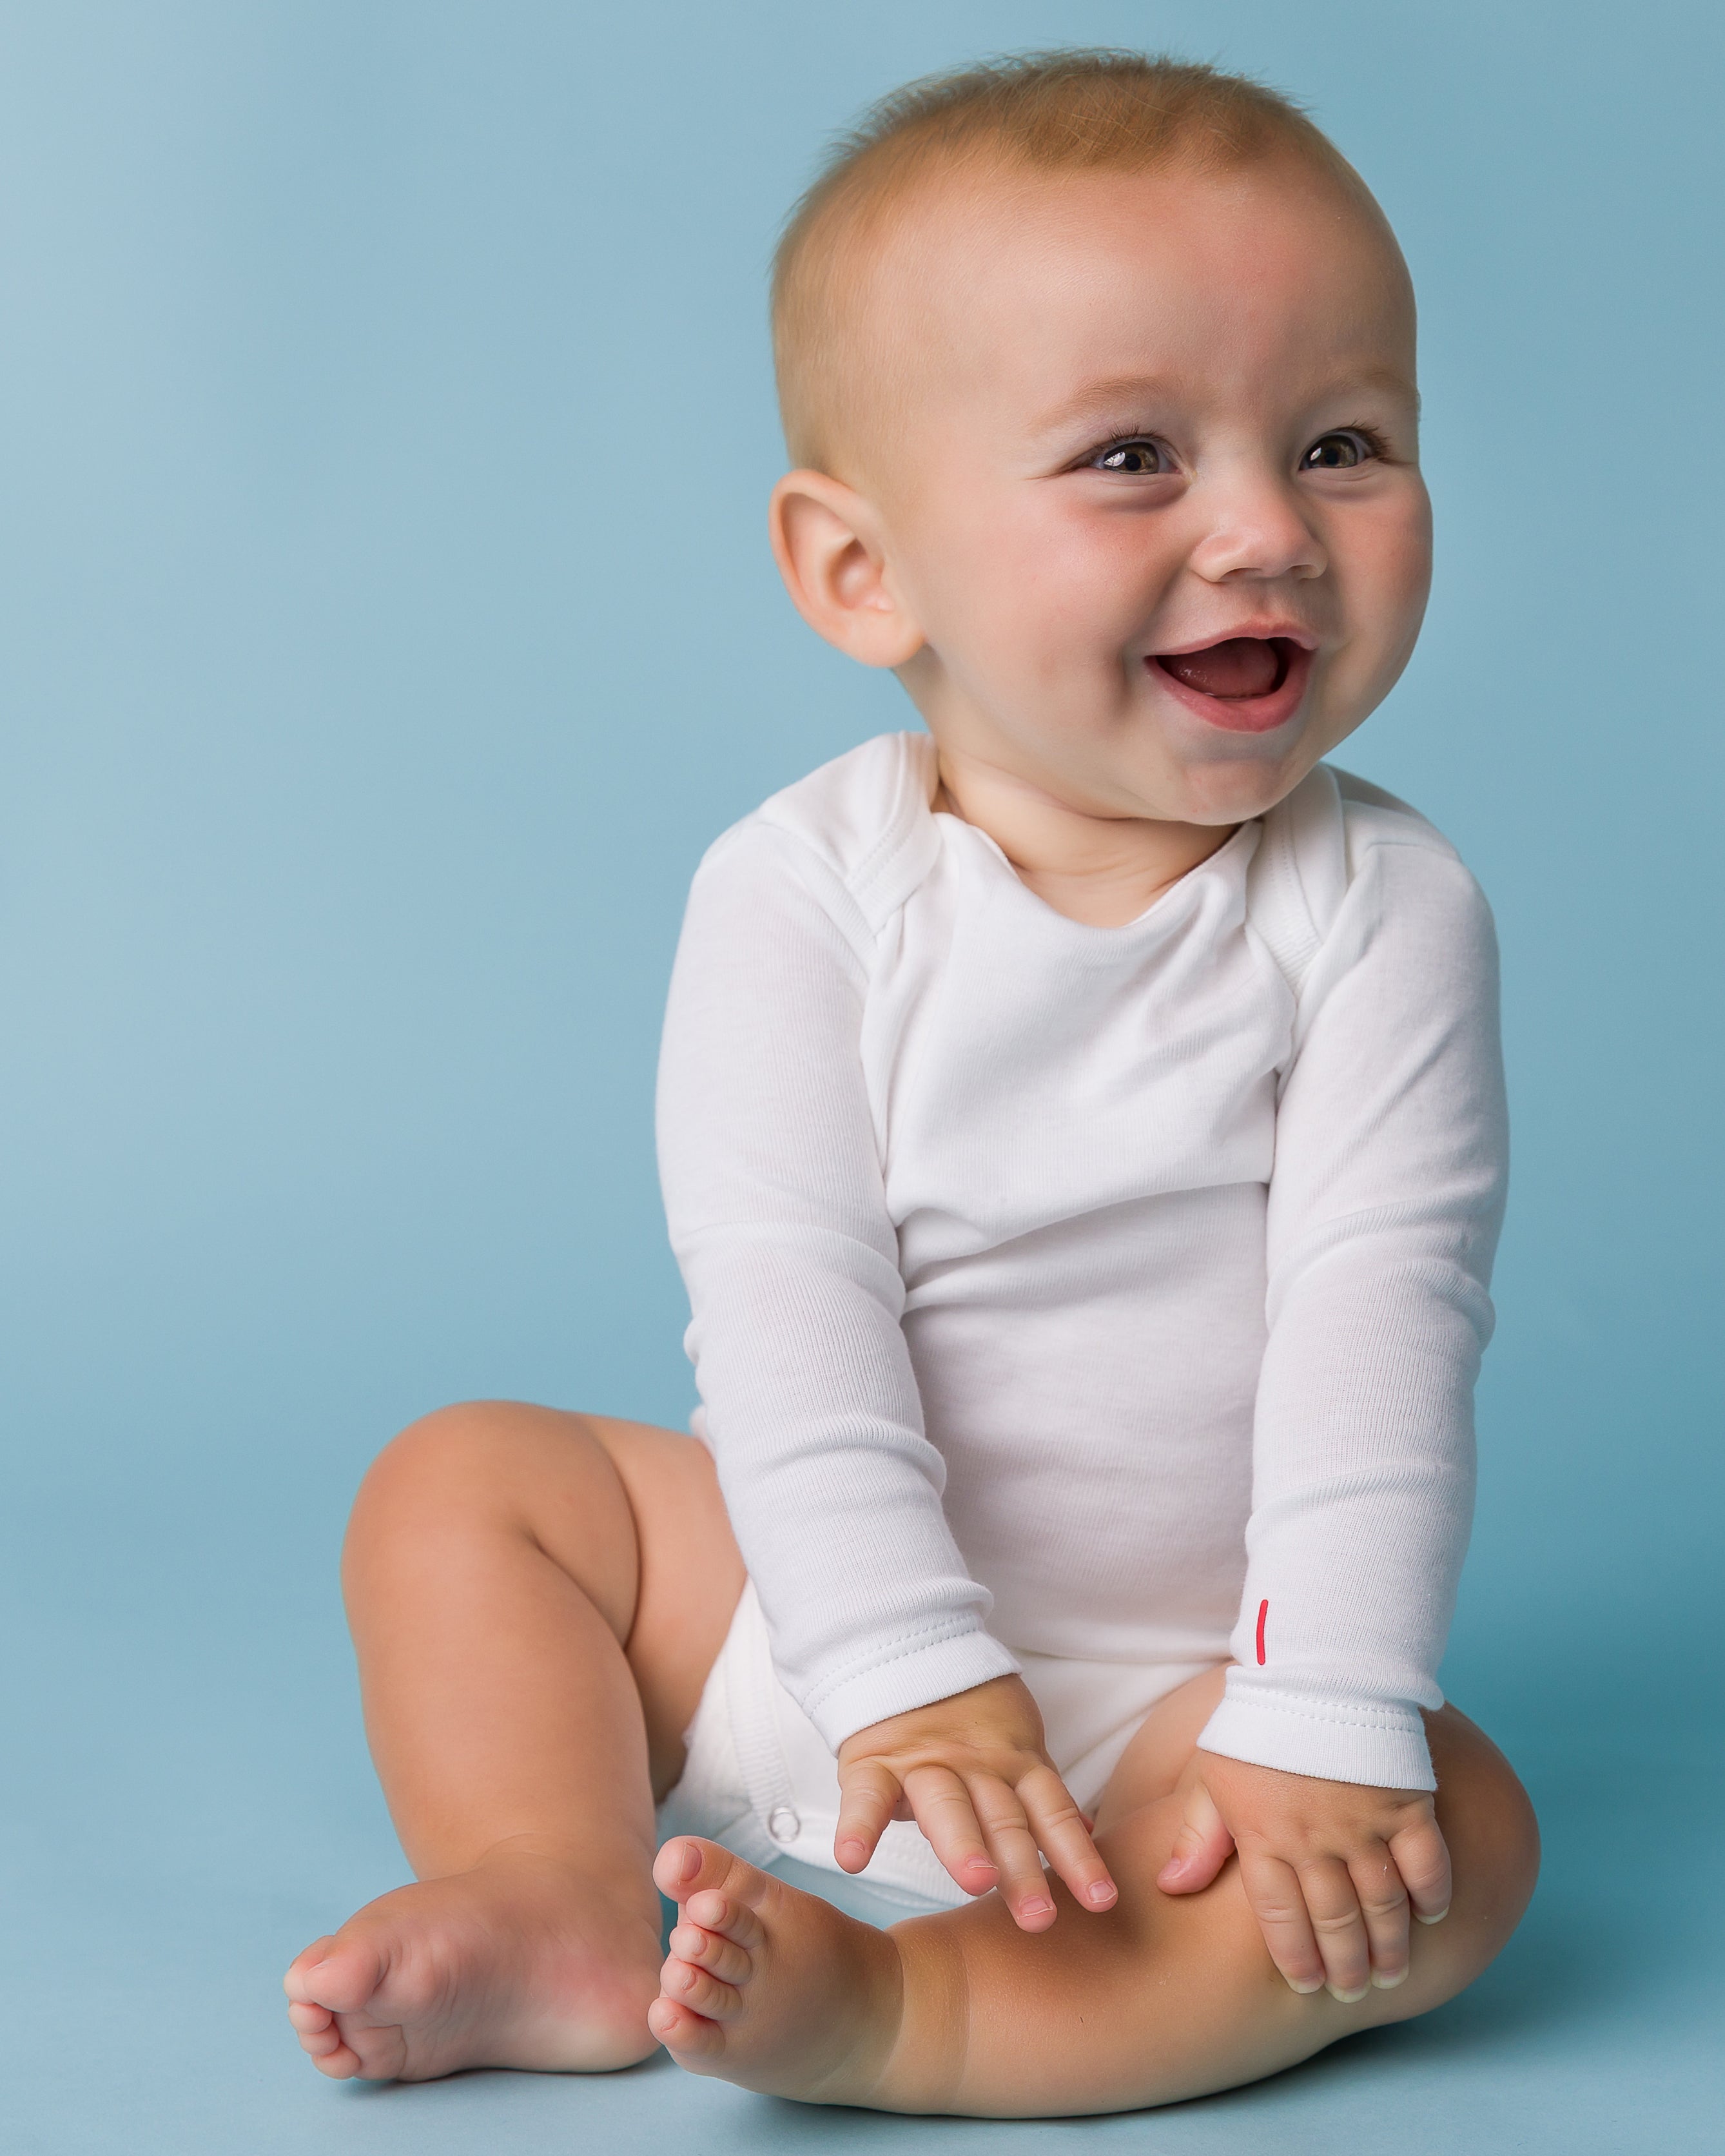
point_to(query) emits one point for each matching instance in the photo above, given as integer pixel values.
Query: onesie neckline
(922, 748)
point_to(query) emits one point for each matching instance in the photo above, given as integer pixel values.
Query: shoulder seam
(805, 860)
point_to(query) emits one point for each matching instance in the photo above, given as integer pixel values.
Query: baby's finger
(868, 1790)
(1023, 1884)
(1383, 1904)
(1063, 1834)
(941, 1807)
(1339, 1928)
(1272, 1889)
(1422, 1856)
(1201, 1848)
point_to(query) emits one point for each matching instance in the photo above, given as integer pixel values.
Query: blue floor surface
(186, 1803)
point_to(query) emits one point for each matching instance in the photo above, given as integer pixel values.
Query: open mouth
(1247, 684)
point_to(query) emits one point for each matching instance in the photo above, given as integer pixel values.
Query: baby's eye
(1342, 451)
(1137, 459)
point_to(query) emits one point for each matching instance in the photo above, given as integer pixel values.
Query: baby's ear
(830, 548)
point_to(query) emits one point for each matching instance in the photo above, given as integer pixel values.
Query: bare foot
(521, 1962)
(776, 1991)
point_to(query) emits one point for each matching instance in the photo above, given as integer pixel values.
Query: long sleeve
(1383, 1210)
(773, 1190)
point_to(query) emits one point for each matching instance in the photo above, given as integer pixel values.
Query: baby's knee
(1493, 1838)
(1486, 1815)
(469, 1462)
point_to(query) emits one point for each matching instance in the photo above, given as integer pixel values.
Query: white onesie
(1098, 1302)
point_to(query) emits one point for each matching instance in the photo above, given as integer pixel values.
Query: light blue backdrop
(386, 624)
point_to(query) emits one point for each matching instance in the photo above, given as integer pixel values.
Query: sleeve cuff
(915, 1675)
(1380, 1746)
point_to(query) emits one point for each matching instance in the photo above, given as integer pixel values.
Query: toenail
(689, 1863)
(1348, 1998)
(1390, 1981)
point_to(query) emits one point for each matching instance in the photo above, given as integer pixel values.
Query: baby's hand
(973, 1773)
(1329, 1868)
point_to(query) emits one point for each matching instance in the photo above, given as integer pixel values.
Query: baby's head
(1099, 370)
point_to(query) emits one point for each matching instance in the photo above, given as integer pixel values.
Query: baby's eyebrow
(1121, 400)
(1396, 381)
(1100, 402)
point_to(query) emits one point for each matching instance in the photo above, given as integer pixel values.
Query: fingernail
(1040, 1907)
(1348, 1997)
(1437, 1919)
(1389, 1983)
(852, 1847)
(1305, 1988)
(1101, 1892)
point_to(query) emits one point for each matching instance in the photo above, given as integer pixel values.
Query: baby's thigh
(1159, 1754)
(1236, 2018)
(629, 1514)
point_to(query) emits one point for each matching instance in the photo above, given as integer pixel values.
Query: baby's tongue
(1243, 666)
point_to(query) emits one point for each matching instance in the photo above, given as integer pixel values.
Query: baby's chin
(1223, 779)
(1234, 789)
(1208, 775)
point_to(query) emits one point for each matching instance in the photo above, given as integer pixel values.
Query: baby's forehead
(989, 263)
(943, 280)
(986, 224)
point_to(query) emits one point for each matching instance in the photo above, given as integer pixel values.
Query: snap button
(783, 1824)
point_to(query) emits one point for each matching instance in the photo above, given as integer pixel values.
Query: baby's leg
(537, 1599)
(1162, 1998)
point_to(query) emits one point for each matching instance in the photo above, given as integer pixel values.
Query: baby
(1083, 1138)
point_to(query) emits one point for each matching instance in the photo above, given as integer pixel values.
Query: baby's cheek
(1383, 587)
(1384, 569)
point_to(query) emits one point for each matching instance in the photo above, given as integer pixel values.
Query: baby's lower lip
(1239, 661)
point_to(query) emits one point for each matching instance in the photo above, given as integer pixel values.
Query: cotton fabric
(1104, 1295)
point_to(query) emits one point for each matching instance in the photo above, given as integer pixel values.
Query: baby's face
(1151, 497)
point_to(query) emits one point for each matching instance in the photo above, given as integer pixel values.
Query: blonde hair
(1078, 110)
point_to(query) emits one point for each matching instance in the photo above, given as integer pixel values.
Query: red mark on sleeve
(1263, 1612)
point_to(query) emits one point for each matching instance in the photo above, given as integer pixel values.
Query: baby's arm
(773, 1182)
(1384, 1214)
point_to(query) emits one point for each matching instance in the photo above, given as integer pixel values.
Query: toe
(688, 1865)
(340, 2065)
(719, 1957)
(678, 1866)
(294, 1983)
(342, 1977)
(728, 1918)
(685, 1985)
(685, 2035)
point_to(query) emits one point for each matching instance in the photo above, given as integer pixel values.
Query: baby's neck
(1103, 871)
